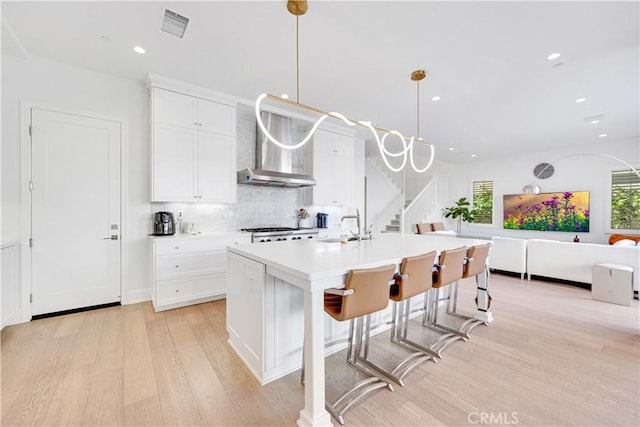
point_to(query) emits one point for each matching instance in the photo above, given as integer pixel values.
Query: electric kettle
(163, 224)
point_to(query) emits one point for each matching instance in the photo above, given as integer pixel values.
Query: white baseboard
(136, 296)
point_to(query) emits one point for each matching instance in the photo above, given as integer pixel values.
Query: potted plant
(461, 212)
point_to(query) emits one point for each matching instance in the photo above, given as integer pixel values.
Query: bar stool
(448, 270)
(366, 291)
(423, 227)
(415, 278)
(475, 265)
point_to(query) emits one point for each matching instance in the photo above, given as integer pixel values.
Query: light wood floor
(553, 357)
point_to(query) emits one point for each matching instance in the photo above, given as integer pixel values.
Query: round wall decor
(546, 169)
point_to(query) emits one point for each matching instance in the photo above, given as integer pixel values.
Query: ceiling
(486, 60)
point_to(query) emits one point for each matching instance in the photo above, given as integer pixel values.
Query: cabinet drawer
(171, 292)
(197, 244)
(169, 266)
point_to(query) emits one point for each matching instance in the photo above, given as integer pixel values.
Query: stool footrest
(360, 390)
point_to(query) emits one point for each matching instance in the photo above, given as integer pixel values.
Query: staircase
(412, 205)
(394, 223)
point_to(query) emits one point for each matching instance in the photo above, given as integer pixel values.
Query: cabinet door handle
(176, 266)
(251, 277)
(177, 247)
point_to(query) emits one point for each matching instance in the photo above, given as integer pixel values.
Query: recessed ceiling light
(105, 39)
(579, 100)
(594, 119)
(558, 65)
(553, 56)
(435, 98)
(473, 155)
(284, 96)
(139, 50)
(451, 148)
(602, 135)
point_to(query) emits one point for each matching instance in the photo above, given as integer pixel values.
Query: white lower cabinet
(190, 270)
(265, 320)
(245, 305)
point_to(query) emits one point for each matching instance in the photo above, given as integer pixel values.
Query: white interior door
(75, 172)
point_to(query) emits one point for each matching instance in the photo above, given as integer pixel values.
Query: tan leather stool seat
(366, 291)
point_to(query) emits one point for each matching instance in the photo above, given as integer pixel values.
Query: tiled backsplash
(256, 206)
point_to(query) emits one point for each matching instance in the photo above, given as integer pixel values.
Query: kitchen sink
(337, 240)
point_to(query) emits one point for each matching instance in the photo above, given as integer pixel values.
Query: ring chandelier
(298, 8)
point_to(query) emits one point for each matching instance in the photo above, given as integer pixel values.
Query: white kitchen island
(273, 286)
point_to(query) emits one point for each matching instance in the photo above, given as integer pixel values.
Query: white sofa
(574, 261)
(509, 254)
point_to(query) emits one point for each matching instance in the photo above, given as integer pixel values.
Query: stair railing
(420, 206)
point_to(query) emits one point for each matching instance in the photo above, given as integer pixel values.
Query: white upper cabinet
(215, 117)
(194, 149)
(330, 160)
(177, 109)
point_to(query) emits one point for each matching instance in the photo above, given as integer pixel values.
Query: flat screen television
(567, 211)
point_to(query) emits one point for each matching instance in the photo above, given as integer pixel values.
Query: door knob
(113, 237)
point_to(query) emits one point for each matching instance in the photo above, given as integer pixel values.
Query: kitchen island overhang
(273, 286)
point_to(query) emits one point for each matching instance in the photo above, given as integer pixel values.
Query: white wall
(56, 85)
(69, 88)
(580, 173)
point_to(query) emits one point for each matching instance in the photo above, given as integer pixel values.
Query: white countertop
(313, 260)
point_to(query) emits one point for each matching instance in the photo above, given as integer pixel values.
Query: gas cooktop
(268, 234)
(268, 229)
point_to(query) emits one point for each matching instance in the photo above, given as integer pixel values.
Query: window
(625, 200)
(483, 202)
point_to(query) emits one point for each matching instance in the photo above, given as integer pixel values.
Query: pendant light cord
(418, 109)
(297, 64)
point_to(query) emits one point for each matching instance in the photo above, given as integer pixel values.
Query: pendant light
(298, 8)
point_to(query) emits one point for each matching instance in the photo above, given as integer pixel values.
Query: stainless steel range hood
(274, 166)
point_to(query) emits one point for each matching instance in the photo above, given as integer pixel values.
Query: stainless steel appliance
(163, 224)
(279, 234)
(274, 165)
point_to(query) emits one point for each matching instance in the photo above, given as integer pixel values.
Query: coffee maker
(163, 224)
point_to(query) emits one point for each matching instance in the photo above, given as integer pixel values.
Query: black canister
(321, 220)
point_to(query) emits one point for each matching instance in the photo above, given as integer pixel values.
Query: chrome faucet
(357, 218)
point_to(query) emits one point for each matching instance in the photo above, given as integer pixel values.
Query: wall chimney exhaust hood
(274, 166)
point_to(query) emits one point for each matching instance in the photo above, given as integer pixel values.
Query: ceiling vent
(174, 24)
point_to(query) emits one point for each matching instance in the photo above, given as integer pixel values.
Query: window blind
(625, 200)
(483, 202)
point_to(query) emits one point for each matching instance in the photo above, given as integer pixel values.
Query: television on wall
(567, 211)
